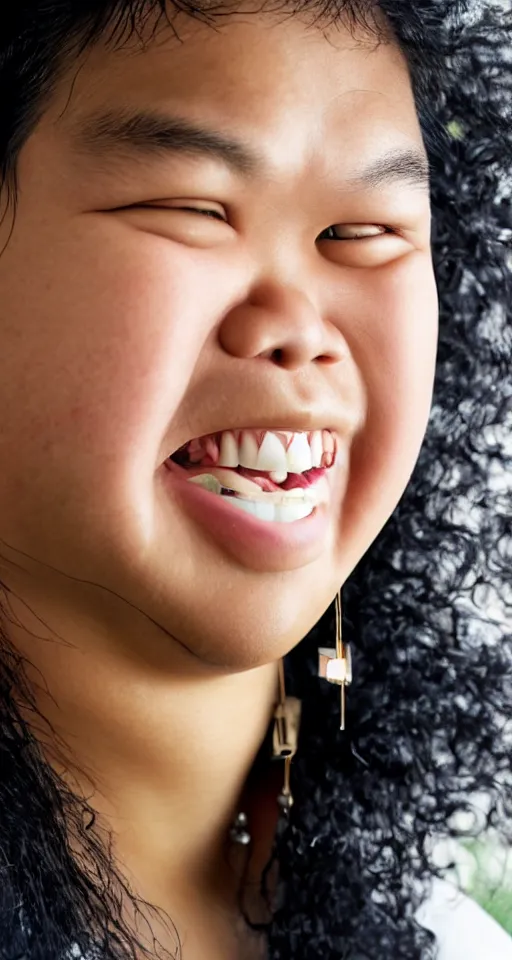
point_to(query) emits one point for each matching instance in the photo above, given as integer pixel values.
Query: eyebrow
(148, 134)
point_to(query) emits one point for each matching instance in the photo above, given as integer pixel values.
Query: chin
(251, 634)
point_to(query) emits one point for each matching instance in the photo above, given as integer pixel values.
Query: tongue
(262, 479)
(292, 481)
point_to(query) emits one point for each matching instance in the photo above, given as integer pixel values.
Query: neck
(161, 755)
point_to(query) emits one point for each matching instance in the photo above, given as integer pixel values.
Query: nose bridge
(282, 318)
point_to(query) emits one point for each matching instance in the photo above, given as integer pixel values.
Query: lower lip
(261, 544)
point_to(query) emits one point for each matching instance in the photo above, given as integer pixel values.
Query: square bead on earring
(336, 669)
(333, 668)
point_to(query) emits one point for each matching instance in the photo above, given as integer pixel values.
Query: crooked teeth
(317, 448)
(228, 454)
(248, 451)
(272, 456)
(303, 452)
(299, 454)
(278, 476)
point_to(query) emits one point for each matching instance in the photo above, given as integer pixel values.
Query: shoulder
(463, 929)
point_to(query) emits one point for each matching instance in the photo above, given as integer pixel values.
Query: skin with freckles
(130, 324)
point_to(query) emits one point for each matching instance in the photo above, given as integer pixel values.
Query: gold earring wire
(285, 735)
(335, 665)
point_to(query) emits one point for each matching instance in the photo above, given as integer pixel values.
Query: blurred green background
(489, 879)
(481, 867)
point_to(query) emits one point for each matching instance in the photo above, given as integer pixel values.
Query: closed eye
(359, 245)
(351, 231)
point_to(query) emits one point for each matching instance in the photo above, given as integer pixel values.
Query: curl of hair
(427, 610)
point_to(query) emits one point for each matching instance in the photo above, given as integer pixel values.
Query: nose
(280, 323)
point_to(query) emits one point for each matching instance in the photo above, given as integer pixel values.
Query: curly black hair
(427, 610)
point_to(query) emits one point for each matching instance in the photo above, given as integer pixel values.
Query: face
(152, 294)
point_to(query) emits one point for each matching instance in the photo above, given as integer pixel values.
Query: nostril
(327, 358)
(278, 356)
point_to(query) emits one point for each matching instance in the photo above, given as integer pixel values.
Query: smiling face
(153, 292)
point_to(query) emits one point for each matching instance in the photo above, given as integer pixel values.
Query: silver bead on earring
(238, 832)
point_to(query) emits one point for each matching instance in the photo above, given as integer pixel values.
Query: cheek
(99, 347)
(395, 350)
(97, 352)
(403, 335)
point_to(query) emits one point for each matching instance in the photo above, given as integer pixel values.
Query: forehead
(304, 96)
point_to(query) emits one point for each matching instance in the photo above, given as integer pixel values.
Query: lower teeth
(286, 507)
(282, 513)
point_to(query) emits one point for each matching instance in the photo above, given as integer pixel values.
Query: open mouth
(275, 475)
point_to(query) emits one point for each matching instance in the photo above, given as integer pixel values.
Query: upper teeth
(301, 452)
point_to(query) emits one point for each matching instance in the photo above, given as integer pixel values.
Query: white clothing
(464, 930)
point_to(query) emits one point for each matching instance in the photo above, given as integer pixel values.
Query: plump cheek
(395, 350)
(110, 335)
(98, 346)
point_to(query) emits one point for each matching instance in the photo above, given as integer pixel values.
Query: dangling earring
(336, 665)
(285, 736)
